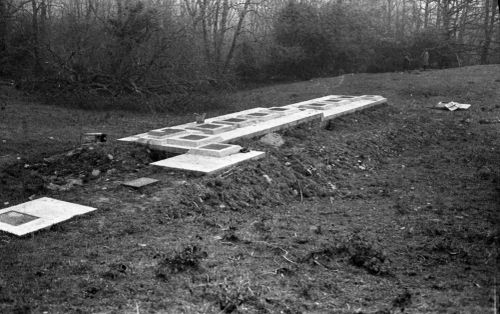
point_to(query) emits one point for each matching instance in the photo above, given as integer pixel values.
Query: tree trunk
(446, 19)
(221, 36)
(3, 25)
(37, 67)
(417, 9)
(204, 17)
(389, 15)
(438, 14)
(463, 22)
(237, 32)
(426, 13)
(402, 22)
(489, 24)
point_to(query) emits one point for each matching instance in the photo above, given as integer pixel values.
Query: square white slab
(215, 150)
(207, 164)
(237, 122)
(38, 214)
(166, 132)
(192, 140)
(324, 105)
(282, 110)
(211, 128)
(263, 115)
(139, 183)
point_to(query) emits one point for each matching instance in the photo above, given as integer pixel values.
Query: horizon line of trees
(176, 46)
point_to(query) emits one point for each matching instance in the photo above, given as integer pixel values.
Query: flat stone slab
(276, 124)
(263, 115)
(38, 214)
(324, 105)
(282, 111)
(139, 183)
(215, 150)
(192, 140)
(166, 132)
(237, 122)
(359, 104)
(207, 164)
(211, 128)
(259, 121)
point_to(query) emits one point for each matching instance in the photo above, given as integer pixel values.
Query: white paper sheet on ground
(452, 106)
(38, 214)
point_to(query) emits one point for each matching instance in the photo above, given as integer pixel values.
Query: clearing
(395, 208)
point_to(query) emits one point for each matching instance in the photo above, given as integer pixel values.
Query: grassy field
(393, 209)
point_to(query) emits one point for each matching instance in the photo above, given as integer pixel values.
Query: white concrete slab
(325, 104)
(282, 110)
(207, 164)
(351, 107)
(140, 182)
(38, 214)
(234, 114)
(166, 132)
(192, 140)
(279, 123)
(299, 104)
(335, 105)
(237, 122)
(179, 148)
(215, 150)
(211, 128)
(249, 131)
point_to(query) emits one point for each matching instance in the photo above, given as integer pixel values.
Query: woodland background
(164, 54)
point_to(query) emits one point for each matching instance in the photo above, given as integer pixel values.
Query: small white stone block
(38, 214)
(215, 150)
(281, 111)
(158, 137)
(323, 105)
(192, 140)
(166, 132)
(139, 183)
(207, 164)
(237, 122)
(342, 97)
(211, 128)
(260, 116)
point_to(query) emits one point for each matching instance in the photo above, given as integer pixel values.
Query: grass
(414, 228)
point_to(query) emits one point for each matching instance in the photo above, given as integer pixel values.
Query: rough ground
(393, 209)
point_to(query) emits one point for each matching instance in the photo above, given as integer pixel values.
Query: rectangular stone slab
(207, 164)
(140, 182)
(281, 111)
(179, 148)
(211, 128)
(237, 122)
(324, 105)
(38, 214)
(279, 123)
(215, 150)
(192, 140)
(343, 96)
(260, 116)
(166, 132)
(358, 104)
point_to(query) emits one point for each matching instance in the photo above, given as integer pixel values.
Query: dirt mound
(26, 179)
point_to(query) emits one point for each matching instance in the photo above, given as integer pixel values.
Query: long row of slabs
(203, 148)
